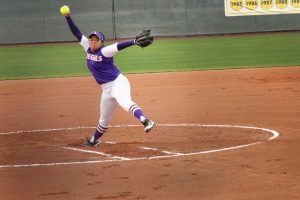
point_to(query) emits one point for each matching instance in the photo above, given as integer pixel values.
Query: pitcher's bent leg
(121, 92)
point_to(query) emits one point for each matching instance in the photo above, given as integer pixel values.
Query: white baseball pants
(114, 93)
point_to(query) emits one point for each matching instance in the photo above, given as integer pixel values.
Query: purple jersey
(102, 68)
(101, 62)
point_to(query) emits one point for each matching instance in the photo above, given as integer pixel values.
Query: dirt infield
(44, 121)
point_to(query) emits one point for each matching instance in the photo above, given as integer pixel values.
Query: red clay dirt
(46, 163)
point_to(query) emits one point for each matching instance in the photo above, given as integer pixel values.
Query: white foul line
(275, 134)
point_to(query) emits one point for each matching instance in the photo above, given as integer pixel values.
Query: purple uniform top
(102, 67)
(100, 63)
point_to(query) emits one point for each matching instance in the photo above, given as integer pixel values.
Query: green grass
(59, 60)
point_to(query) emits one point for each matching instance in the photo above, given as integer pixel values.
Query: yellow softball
(65, 10)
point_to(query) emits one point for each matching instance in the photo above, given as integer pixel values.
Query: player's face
(94, 43)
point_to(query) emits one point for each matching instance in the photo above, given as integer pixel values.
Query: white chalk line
(47, 130)
(165, 152)
(274, 133)
(120, 157)
(97, 152)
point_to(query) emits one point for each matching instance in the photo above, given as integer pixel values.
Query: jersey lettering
(94, 57)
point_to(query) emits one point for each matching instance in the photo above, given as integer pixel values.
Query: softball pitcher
(115, 86)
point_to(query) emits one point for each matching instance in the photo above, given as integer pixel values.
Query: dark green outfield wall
(33, 21)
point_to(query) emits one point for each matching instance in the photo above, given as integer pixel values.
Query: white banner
(261, 7)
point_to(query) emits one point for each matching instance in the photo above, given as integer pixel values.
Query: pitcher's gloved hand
(143, 39)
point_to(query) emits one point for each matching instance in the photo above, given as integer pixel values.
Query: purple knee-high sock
(137, 112)
(98, 133)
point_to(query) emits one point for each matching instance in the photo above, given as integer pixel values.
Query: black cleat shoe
(148, 124)
(91, 144)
